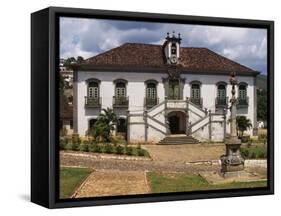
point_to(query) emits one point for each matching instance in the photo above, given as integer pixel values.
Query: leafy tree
(242, 124)
(80, 59)
(262, 104)
(70, 60)
(104, 125)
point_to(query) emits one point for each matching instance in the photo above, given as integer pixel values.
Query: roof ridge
(105, 52)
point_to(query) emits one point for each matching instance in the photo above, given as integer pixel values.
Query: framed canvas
(139, 107)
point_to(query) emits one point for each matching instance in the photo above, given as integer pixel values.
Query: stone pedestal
(232, 162)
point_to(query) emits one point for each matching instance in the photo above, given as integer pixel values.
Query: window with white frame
(195, 91)
(242, 91)
(120, 90)
(93, 89)
(221, 91)
(151, 90)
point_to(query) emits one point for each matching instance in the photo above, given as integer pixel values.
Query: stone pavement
(113, 183)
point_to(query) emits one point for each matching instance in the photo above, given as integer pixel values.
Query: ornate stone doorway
(177, 122)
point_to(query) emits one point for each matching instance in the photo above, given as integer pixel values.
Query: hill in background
(262, 82)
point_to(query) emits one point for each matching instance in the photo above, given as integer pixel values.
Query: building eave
(155, 69)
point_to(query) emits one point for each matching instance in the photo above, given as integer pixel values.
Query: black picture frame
(45, 104)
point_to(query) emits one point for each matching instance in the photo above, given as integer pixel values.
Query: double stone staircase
(198, 119)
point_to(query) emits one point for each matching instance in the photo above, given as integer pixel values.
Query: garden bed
(107, 148)
(254, 152)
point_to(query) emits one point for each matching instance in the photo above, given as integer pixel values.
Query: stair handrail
(156, 106)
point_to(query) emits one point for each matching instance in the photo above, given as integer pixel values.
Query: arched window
(195, 96)
(93, 90)
(221, 91)
(195, 91)
(221, 100)
(120, 90)
(151, 90)
(93, 99)
(242, 95)
(120, 99)
(151, 93)
(242, 92)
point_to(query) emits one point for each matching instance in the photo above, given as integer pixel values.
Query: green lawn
(70, 179)
(161, 183)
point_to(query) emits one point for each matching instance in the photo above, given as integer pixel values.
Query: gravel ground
(126, 165)
(185, 153)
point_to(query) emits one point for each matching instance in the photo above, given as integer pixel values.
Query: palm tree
(242, 124)
(104, 125)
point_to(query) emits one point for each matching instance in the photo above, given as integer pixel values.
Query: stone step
(177, 140)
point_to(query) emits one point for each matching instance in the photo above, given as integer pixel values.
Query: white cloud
(88, 37)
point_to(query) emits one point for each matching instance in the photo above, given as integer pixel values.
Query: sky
(89, 37)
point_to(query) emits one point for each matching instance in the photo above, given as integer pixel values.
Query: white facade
(136, 91)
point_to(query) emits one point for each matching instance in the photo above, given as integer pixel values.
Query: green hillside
(262, 82)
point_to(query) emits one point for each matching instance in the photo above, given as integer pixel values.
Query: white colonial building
(159, 90)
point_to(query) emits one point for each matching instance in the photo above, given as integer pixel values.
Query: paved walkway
(185, 153)
(113, 183)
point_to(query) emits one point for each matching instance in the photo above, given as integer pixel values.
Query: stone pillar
(128, 126)
(145, 126)
(166, 116)
(210, 125)
(224, 124)
(232, 163)
(187, 131)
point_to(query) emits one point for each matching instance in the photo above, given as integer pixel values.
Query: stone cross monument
(232, 163)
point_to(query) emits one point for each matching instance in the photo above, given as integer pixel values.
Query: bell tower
(171, 48)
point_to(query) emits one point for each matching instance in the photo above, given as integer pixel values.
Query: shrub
(263, 138)
(76, 138)
(84, 146)
(108, 148)
(245, 152)
(140, 152)
(119, 149)
(254, 152)
(75, 146)
(97, 148)
(128, 150)
(253, 155)
(63, 143)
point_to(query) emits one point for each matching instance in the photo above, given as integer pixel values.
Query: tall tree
(262, 105)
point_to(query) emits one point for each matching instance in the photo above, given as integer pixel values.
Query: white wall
(136, 93)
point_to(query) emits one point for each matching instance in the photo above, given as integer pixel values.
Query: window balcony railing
(120, 102)
(92, 102)
(150, 102)
(221, 102)
(242, 102)
(197, 101)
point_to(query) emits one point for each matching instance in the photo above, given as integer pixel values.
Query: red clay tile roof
(148, 55)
